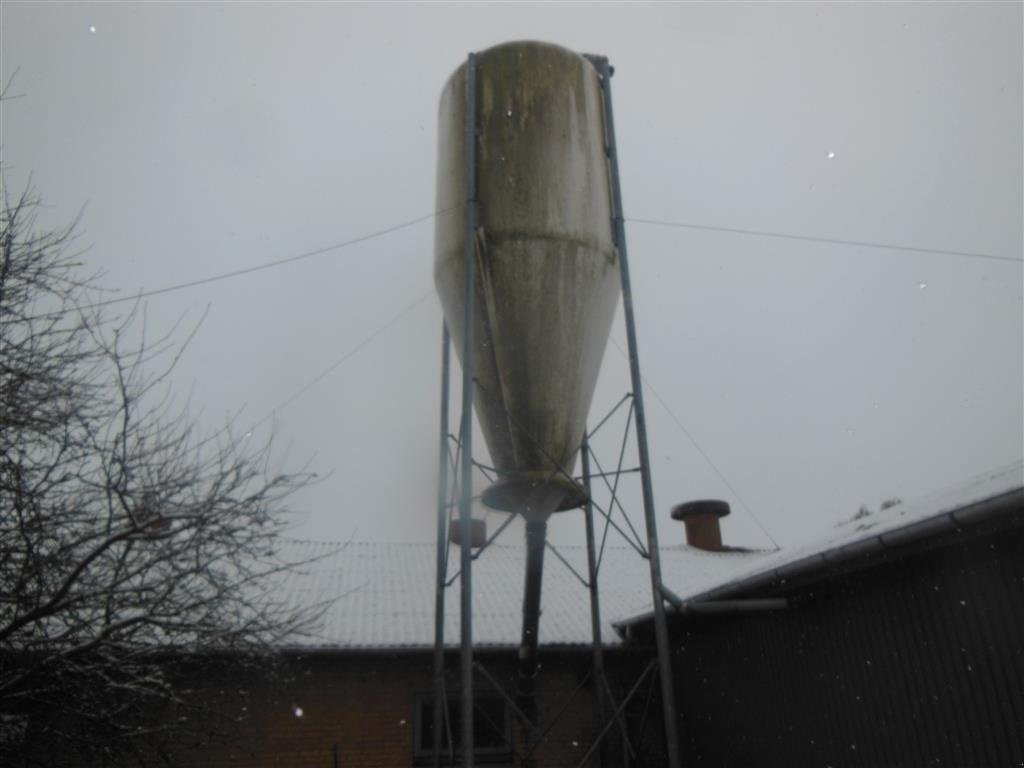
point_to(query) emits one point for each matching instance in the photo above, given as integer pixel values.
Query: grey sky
(210, 137)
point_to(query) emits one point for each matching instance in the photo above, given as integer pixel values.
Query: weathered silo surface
(547, 274)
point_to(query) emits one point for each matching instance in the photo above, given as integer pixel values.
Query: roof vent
(701, 520)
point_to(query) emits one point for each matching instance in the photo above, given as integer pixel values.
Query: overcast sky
(204, 138)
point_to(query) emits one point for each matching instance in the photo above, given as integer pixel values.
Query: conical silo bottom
(534, 494)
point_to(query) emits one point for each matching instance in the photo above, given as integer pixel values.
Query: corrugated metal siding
(914, 662)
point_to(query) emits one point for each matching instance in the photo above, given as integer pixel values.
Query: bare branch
(132, 544)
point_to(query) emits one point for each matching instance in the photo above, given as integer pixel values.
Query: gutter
(718, 607)
(834, 559)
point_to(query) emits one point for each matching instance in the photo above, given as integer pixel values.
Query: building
(359, 691)
(897, 641)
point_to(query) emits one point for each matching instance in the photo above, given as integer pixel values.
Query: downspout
(536, 533)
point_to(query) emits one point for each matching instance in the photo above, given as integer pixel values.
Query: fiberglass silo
(547, 272)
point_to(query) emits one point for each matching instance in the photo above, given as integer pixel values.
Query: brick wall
(358, 710)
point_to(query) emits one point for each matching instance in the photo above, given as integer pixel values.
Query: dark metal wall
(917, 661)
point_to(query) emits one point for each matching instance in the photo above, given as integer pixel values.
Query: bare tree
(131, 545)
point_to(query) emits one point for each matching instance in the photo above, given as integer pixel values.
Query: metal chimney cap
(700, 507)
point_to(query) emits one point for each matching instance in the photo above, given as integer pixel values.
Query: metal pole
(466, 431)
(619, 234)
(595, 606)
(442, 525)
(618, 712)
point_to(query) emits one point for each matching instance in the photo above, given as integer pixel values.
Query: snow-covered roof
(899, 524)
(383, 593)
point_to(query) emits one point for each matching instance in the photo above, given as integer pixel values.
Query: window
(492, 728)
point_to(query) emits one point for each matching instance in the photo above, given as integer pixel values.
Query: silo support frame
(440, 713)
(601, 708)
(463, 469)
(605, 699)
(466, 429)
(651, 665)
(619, 234)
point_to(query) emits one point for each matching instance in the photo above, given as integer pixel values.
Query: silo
(528, 273)
(547, 273)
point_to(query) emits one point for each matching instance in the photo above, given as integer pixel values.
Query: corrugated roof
(383, 593)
